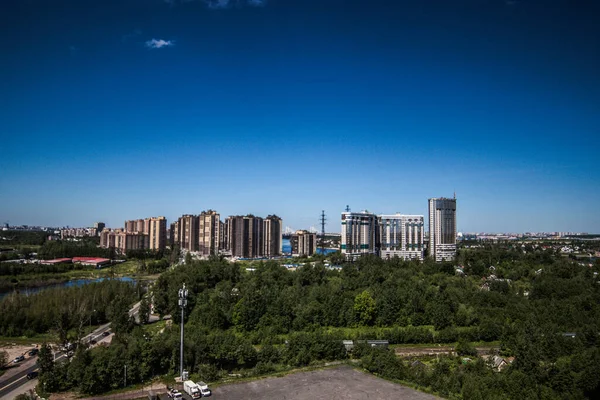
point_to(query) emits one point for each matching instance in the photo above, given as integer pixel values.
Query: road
(12, 383)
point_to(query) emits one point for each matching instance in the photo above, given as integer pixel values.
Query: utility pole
(126, 376)
(182, 303)
(323, 219)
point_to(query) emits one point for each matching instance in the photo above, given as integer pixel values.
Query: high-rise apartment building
(360, 234)
(130, 226)
(157, 233)
(401, 236)
(209, 225)
(187, 232)
(442, 228)
(139, 225)
(123, 241)
(272, 236)
(250, 236)
(172, 233)
(99, 227)
(304, 243)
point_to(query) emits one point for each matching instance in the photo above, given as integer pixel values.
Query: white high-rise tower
(359, 234)
(442, 228)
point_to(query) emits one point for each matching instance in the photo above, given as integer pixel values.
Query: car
(93, 341)
(32, 375)
(175, 394)
(105, 333)
(33, 352)
(18, 359)
(204, 390)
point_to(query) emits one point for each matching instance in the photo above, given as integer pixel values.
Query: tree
(45, 362)
(144, 312)
(118, 314)
(465, 348)
(3, 358)
(364, 308)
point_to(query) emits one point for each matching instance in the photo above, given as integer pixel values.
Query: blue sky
(113, 110)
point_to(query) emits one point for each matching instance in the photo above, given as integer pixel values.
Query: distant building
(359, 234)
(130, 226)
(209, 233)
(245, 236)
(401, 236)
(123, 241)
(157, 228)
(273, 231)
(251, 237)
(172, 233)
(77, 232)
(99, 226)
(187, 232)
(442, 228)
(304, 243)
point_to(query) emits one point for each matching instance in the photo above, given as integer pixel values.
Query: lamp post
(182, 303)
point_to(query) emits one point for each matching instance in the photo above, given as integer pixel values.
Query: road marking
(13, 382)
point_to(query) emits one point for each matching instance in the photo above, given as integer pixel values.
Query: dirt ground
(435, 350)
(15, 350)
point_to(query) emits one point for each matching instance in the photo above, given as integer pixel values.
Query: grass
(24, 340)
(430, 345)
(155, 327)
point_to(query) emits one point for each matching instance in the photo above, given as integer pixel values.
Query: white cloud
(157, 44)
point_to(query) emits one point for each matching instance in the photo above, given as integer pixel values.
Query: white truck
(192, 389)
(203, 389)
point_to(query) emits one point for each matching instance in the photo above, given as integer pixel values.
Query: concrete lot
(329, 384)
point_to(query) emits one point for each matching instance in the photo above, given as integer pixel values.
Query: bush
(465, 348)
(384, 362)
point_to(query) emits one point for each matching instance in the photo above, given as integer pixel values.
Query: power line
(323, 219)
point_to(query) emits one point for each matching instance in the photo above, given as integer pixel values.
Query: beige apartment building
(209, 225)
(304, 243)
(187, 230)
(123, 241)
(157, 228)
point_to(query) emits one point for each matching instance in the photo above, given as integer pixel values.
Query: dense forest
(544, 310)
(62, 310)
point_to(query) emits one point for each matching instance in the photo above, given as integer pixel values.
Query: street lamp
(182, 303)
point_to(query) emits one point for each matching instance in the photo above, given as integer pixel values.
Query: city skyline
(122, 109)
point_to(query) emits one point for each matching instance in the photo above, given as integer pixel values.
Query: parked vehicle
(105, 333)
(192, 389)
(18, 359)
(175, 394)
(68, 347)
(33, 352)
(204, 390)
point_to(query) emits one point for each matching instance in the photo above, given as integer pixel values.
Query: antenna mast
(323, 219)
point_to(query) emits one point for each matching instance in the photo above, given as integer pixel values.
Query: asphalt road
(9, 384)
